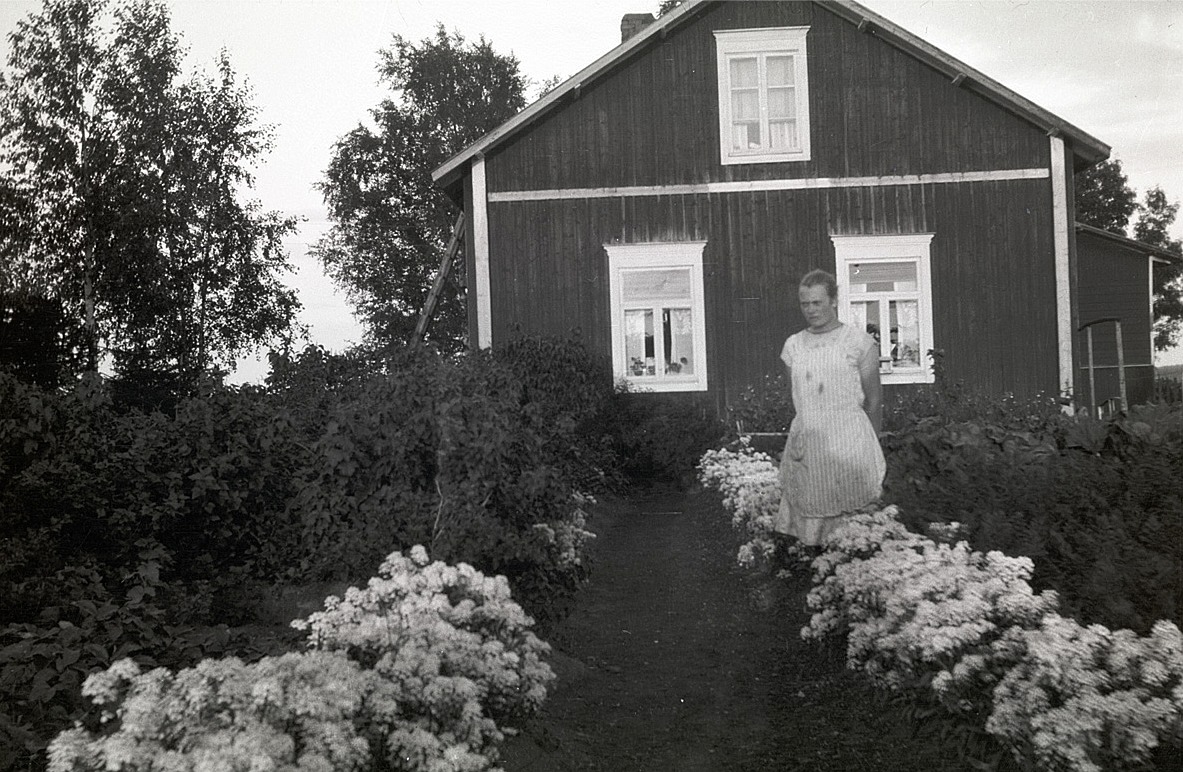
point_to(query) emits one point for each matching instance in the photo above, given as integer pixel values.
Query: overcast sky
(1114, 69)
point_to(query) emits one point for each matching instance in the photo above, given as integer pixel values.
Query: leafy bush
(1097, 505)
(447, 453)
(86, 628)
(660, 437)
(572, 390)
(419, 671)
(763, 407)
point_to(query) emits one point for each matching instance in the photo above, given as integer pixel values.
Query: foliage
(763, 407)
(390, 221)
(85, 628)
(660, 437)
(444, 452)
(418, 671)
(572, 388)
(38, 342)
(1104, 198)
(123, 181)
(665, 6)
(1095, 503)
(964, 631)
(1156, 215)
(80, 482)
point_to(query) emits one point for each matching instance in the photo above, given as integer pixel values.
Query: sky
(1114, 69)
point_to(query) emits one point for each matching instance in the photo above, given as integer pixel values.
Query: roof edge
(1085, 145)
(1137, 246)
(574, 83)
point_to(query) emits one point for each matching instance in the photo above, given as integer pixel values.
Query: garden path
(675, 659)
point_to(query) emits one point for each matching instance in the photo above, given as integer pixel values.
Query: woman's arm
(868, 369)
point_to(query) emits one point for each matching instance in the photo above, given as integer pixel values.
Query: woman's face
(817, 307)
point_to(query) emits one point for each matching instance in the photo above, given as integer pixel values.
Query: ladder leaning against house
(441, 276)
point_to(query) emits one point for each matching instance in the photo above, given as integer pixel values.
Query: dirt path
(672, 660)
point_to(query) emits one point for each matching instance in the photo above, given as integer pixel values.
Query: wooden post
(1092, 378)
(441, 276)
(1121, 366)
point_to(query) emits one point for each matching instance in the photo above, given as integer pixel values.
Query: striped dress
(832, 461)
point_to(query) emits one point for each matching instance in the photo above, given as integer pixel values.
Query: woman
(832, 461)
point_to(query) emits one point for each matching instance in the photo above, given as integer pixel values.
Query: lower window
(885, 288)
(658, 325)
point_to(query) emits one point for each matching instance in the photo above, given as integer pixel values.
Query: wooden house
(1115, 282)
(665, 201)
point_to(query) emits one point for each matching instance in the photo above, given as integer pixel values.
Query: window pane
(679, 341)
(866, 317)
(745, 106)
(656, 284)
(782, 103)
(883, 277)
(745, 136)
(744, 73)
(638, 342)
(783, 134)
(780, 70)
(905, 333)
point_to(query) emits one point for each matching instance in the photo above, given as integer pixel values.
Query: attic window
(763, 95)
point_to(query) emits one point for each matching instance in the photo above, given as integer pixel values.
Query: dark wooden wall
(1114, 281)
(993, 279)
(874, 111)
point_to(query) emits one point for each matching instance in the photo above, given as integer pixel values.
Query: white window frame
(742, 43)
(895, 249)
(623, 258)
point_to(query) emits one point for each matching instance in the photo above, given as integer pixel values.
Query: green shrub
(446, 453)
(763, 407)
(661, 437)
(86, 628)
(572, 390)
(1096, 504)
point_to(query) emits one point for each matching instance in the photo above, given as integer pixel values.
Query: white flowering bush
(966, 629)
(568, 538)
(749, 482)
(456, 646)
(919, 611)
(1088, 699)
(295, 712)
(416, 672)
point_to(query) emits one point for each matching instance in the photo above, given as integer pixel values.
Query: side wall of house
(875, 112)
(1114, 282)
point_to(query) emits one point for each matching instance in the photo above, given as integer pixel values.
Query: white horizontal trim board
(806, 183)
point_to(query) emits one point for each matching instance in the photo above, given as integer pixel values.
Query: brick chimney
(632, 23)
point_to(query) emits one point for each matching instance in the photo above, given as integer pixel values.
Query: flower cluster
(295, 712)
(416, 671)
(913, 608)
(1089, 699)
(967, 629)
(458, 648)
(569, 537)
(750, 484)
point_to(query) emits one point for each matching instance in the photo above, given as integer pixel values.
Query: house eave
(1087, 150)
(453, 169)
(1159, 254)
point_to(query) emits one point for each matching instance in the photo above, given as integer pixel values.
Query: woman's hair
(819, 277)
